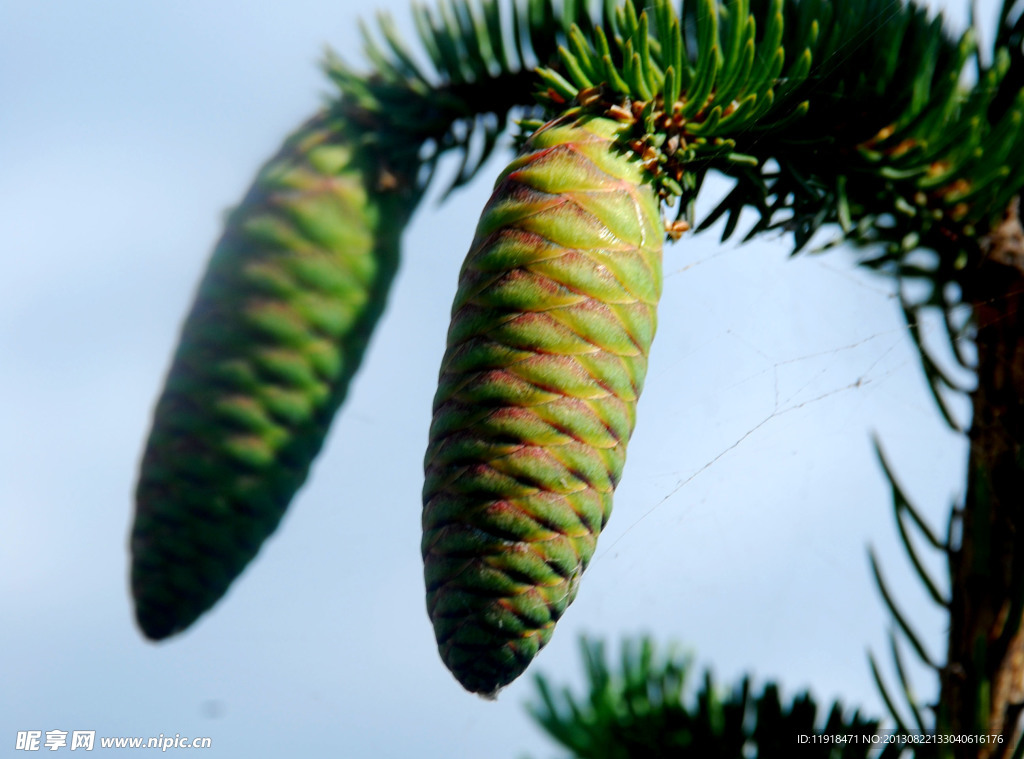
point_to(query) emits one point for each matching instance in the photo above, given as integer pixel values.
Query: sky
(741, 526)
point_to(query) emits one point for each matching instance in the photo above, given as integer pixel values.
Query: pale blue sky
(740, 528)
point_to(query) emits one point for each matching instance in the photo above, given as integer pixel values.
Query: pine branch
(644, 708)
(476, 69)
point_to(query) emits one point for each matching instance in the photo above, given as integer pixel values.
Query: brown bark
(982, 685)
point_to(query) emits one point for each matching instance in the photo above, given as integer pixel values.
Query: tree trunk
(982, 684)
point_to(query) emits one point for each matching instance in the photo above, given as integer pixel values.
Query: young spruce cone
(546, 356)
(277, 330)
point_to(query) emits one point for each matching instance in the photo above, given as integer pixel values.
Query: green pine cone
(277, 330)
(546, 356)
